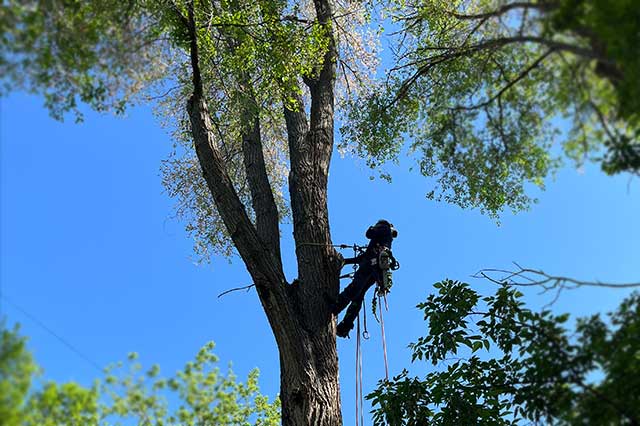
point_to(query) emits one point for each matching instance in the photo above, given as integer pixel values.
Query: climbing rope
(364, 334)
(380, 294)
(384, 339)
(359, 386)
(339, 246)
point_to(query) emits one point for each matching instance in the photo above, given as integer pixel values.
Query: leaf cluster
(100, 53)
(497, 362)
(482, 89)
(17, 369)
(199, 394)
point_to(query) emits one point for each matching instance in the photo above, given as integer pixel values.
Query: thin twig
(247, 287)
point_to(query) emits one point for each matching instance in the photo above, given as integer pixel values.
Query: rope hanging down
(365, 335)
(387, 263)
(384, 338)
(359, 386)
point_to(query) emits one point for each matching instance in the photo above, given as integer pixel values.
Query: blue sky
(89, 247)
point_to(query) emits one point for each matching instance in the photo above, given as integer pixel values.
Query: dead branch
(528, 277)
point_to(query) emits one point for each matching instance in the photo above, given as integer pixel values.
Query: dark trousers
(353, 294)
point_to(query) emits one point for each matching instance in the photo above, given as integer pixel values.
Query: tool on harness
(387, 264)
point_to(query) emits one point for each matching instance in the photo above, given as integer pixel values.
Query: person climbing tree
(369, 272)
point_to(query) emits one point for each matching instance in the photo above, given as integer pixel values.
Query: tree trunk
(298, 313)
(310, 392)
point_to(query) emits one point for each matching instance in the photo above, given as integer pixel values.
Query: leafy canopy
(200, 394)
(499, 363)
(483, 88)
(479, 89)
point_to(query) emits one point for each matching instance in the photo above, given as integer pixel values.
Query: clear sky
(89, 247)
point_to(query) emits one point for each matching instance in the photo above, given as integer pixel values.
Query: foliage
(200, 394)
(253, 56)
(64, 404)
(499, 363)
(17, 369)
(484, 87)
(73, 52)
(481, 88)
(611, 28)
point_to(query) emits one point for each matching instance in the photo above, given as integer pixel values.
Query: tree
(249, 90)
(237, 91)
(533, 368)
(485, 88)
(200, 394)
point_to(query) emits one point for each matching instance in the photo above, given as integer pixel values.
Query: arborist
(373, 267)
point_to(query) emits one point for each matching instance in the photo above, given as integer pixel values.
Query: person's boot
(343, 329)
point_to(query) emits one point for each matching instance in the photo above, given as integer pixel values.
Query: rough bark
(298, 313)
(319, 402)
(263, 201)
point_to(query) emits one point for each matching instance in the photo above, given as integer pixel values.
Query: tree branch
(500, 11)
(449, 53)
(527, 277)
(260, 265)
(264, 205)
(509, 84)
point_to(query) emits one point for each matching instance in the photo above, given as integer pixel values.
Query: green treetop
(200, 394)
